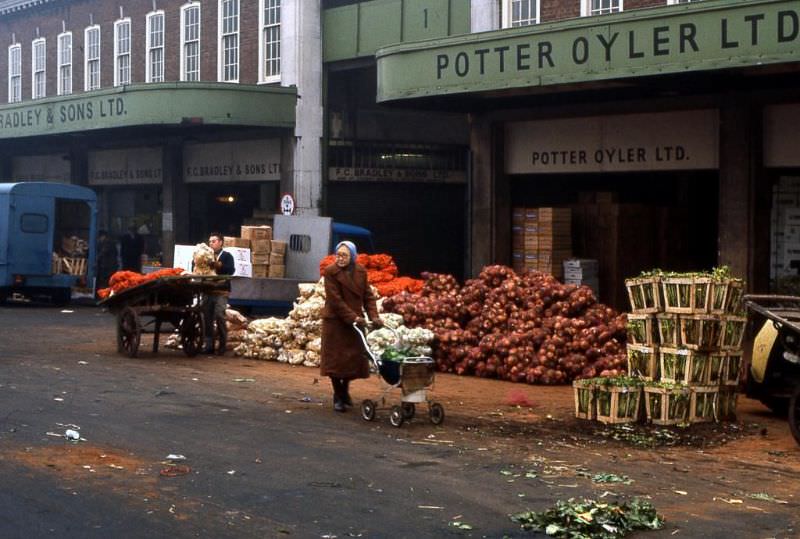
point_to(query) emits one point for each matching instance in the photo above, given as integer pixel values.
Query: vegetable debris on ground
(589, 519)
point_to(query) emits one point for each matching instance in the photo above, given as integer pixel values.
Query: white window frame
(586, 9)
(675, 2)
(15, 79)
(64, 58)
(89, 60)
(118, 55)
(264, 26)
(221, 76)
(38, 69)
(184, 9)
(508, 10)
(152, 71)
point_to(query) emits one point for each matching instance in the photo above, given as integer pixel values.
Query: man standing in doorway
(131, 248)
(217, 300)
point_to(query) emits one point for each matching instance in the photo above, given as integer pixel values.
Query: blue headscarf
(350, 247)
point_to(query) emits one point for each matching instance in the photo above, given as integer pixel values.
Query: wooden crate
(731, 333)
(644, 294)
(703, 405)
(726, 404)
(734, 304)
(73, 266)
(678, 297)
(718, 299)
(618, 404)
(585, 399)
(55, 264)
(701, 295)
(669, 330)
(680, 365)
(732, 369)
(716, 368)
(642, 329)
(700, 331)
(666, 404)
(643, 361)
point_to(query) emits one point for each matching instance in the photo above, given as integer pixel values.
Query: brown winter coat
(347, 295)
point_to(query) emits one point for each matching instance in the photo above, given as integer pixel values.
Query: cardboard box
(517, 215)
(260, 270)
(276, 258)
(261, 247)
(584, 263)
(257, 232)
(554, 215)
(532, 214)
(239, 254)
(242, 269)
(230, 241)
(277, 271)
(259, 258)
(278, 247)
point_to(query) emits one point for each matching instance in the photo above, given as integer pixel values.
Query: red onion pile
(524, 328)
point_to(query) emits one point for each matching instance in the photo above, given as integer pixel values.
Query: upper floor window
(122, 52)
(15, 73)
(600, 7)
(679, 1)
(91, 54)
(228, 41)
(65, 63)
(270, 47)
(155, 47)
(190, 42)
(520, 12)
(38, 67)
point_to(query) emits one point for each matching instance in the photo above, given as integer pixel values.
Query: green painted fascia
(173, 103)
(358, 30)
(409, 70)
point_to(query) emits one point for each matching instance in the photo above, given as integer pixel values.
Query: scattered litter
(231, 472)
(606, 478)
(766, 497)
(681, 492)
(776, 453)
(460, 525)
(244, 380)
(195, 379)
(116, 467)
(517, 397)
(72, 435)
(83, 363)
(58, 399)
(732, 501)
(288, 411)
(305, 399)
(429, 507)
(175, 470)
(175, 457)
(67, 311)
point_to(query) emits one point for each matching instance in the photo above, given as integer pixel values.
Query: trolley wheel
(192, 333)
(436, 413)
(129, 332)
(409, 410)
(794, 414)
(396, 416)
(368, 410)
(220, 335)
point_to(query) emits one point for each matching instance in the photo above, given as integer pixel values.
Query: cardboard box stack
(267, 256)
(541, 239)
(582, 271)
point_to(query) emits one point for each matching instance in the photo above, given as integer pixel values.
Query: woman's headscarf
(350, 247)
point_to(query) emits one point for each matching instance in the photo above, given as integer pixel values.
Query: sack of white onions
(524, 328)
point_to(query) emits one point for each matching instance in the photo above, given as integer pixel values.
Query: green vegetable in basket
(393, 354)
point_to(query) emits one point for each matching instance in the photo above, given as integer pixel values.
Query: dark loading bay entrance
(633, 222)
(225, 207)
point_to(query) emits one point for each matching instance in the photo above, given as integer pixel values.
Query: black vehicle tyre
(409, 410)
(794, 414)
(129, 332)
(367, 410)
(436, 413)
(396, 417)
(192, 333)
(61, 297)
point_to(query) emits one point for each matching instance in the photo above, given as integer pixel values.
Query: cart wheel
(436, 413)
(368, 410)
(129, 332)
(794, 414)
(409, 410)
(192, 333)
(220, 335)
(396, 417)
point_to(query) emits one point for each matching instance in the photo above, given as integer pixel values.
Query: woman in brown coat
(347, 296)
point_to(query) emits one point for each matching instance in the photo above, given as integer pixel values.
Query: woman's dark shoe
(338, 405)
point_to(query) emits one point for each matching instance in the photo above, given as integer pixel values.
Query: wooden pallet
(700, 331)
(642, 329)
(585, 400)
(644, 295)
(680, 365)
(667, 405)
(643, 361)
(704, 403)
(618, 405)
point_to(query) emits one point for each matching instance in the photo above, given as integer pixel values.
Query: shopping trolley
(413, 376)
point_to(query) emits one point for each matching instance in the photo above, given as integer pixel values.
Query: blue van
(36, 218)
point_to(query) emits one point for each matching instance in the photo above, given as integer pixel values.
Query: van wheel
(61, 297)
(794, 414)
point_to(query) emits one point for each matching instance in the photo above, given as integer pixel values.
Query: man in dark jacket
(217, 301)
(106, 258)
(131, 248)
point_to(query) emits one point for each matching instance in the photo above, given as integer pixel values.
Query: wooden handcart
(177, 300)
